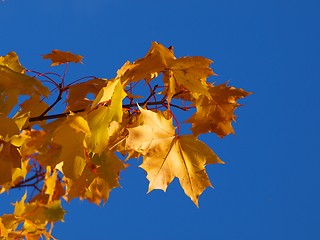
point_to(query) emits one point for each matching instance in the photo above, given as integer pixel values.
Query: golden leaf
(77, 98)
(10, 159)
(3, 230)
(60, 57)
(155, 61)
(12, 62)
(96, 183)
(216, 114)
(185, 159)
(13, 82)
(70, 136)
(167, 156)
(8, 127)
(186, 73)
(100, 119)
(107, 176)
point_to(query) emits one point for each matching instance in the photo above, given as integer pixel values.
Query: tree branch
(61, 115)
(59, 97)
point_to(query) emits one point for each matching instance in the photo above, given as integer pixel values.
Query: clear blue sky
(269, 188)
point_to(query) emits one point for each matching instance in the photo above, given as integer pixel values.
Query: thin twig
(152, 93)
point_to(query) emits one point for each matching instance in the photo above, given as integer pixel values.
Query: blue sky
(269, 188)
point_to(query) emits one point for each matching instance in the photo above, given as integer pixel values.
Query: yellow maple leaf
(60, 57)
(10, 159)
(8, 127)
(14, 82)
(38, 213)
(95, 184)
(31, 219)
(38, 144)
(155, 61)
(167, 155)
(215, 114)
(185, 159)
(191, 73)
(12, 62)
(106, 108)
(156, 125)
(188, 73)
(3, 230)
(106, 176)
(70, 136)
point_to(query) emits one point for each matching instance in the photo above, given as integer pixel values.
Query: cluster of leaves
(77, 153)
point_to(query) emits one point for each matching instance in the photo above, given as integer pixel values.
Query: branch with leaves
(80, 152)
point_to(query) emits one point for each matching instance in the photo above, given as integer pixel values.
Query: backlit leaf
(216, 114)
(99, 119)
(167, 156)
(70, 136)
(77, 98)
(96, 183)
(14, 81)
(60, 57)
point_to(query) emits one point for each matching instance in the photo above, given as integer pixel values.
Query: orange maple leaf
(14, 81)
(217, 113)
(59, 57)
(188, 73)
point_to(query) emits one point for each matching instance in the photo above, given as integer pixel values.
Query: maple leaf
(34, 216)
(95, 184)
(10, 157)
(3, 229)
(156, 125)
(60, 57)
(167, 155)
(8, 127)
(38, 144)
(188, 73)
(185, 159)
(12, 62)
(191, 73)
(155, 61)
(39, 213)
(107, 176)
(216, 114)
(100, 118)
(78, 93)
(71, 137)
(14, 82)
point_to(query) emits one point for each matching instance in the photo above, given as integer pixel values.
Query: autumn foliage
(80, 151)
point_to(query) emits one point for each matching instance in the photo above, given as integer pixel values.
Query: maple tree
(80, 152)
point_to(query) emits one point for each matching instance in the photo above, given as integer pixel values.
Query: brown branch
(27, 182)
(53, 116)
(61, 115)
(152, 93)
(59, 97)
